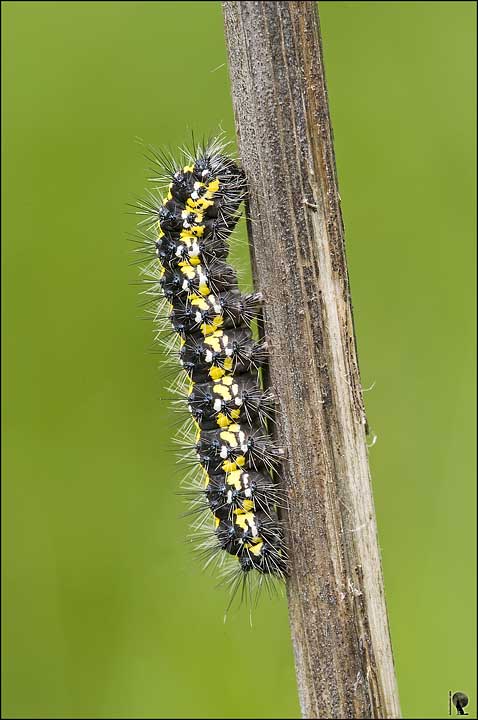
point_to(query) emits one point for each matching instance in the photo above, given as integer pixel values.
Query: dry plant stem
(337, 608)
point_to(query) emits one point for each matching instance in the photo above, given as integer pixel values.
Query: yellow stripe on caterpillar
(213, 341)
(185, 215)
(255, 547)
(222, 390)
(213, 186)
(246, 519)
(209, 328)
(203, 289)
(234, 478)
(228, 363)
(199, 302)
(216, 372)
(187, 269)
(200, 204)
(192, 232)
(229, 437)
(222, 420)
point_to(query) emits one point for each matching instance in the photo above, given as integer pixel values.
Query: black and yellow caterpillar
(221, 359)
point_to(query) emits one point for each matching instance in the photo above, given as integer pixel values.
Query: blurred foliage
(106, 611)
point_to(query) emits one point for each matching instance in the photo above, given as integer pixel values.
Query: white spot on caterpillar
(245, 482)
(208, 356)
(229, 497)
(217, 405)
(224, 451)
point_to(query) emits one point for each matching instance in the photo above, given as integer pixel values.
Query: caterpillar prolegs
(197, 293)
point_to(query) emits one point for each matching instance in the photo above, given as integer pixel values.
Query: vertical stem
(337, 608)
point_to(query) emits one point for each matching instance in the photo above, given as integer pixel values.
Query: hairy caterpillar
(196, 296)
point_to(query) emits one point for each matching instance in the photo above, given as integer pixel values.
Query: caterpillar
(196, 298)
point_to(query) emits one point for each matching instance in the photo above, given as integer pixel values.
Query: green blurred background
(107, 613)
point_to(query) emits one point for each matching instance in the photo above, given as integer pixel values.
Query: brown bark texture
(337, 609)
